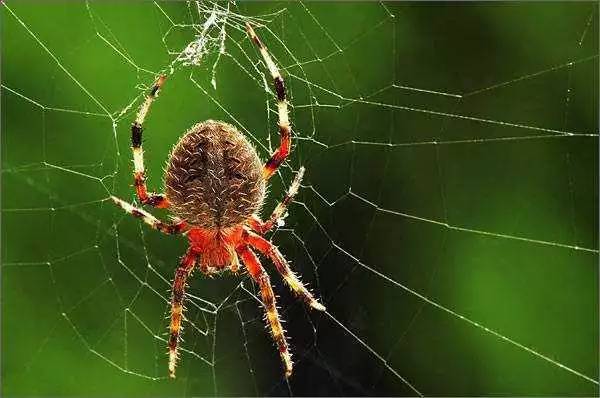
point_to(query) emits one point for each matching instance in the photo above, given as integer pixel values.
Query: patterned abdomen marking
(213, 178)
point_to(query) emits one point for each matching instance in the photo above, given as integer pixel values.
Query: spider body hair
(214, 177)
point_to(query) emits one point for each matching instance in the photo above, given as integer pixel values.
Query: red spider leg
(139, 174)
(234, 266)
(164, 227)
(257, 272)
(270, 250)
(263, 227)
(284, 125)
(183, 271)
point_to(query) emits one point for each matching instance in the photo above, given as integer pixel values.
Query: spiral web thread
(218, 37)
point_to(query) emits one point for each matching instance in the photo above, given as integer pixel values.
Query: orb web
(447, 220)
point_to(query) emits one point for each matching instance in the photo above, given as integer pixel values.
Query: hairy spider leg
(183, 271)
(270, 250)
(234, 266)
(257, 272)
(282, 109)
(176, 227)
(262, 227)
(139, 173)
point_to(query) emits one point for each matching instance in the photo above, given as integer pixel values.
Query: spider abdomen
(214, 176)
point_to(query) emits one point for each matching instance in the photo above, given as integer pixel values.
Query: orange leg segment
(270, 250)
(181, 274)
(169, 228)
(259, 275)
(263, 227)
(282, 109)
(139, 174)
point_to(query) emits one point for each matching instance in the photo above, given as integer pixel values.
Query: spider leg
(263, 227)
(234, 266)
(257, 272)
(164, 227)
(139, 174)
(270, 250)
(284, 125)
(183, 271)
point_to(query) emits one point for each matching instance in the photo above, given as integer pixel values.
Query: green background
(421, 212)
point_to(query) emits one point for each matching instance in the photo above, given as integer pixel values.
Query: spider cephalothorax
(215, 186)
(214, 176)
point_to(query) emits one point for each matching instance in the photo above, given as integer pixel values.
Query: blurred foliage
(481, 205)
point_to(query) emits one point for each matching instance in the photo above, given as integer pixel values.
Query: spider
(215, 186)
